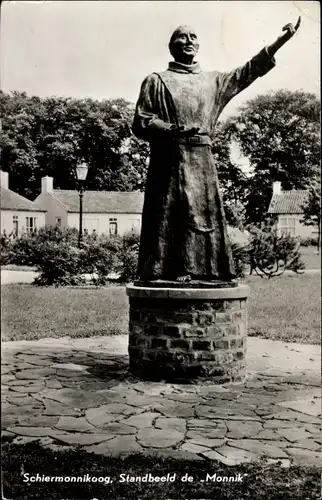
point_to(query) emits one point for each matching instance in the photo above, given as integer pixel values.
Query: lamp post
(81, 174)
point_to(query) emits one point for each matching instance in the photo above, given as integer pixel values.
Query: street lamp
(81, 174)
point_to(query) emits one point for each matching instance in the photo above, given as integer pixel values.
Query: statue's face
(184, 44)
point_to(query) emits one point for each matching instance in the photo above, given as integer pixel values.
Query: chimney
(277, 189)
(47, 184)
(4, 179)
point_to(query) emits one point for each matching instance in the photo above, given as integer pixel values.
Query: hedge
(58, 259)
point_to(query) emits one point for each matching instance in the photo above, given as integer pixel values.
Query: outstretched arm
(290, 31)
(233, 82)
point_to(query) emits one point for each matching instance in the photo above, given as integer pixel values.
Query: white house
(109, 212)
(18, 215)
(287, 206)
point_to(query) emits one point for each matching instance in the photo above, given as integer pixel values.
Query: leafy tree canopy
(279, 133)
(232, 179)
(50, 136)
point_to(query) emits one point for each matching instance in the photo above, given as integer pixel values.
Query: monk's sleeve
(147, 124)
(233, 82)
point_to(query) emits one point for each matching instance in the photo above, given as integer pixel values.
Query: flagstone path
(65, 392)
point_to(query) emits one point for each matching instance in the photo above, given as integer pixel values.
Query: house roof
(101, 201)
(288, 202)
(10, 200)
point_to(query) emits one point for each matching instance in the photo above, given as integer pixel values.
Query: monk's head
(184, 44)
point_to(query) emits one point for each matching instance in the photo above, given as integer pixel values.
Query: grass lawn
(287, 308)
(311, 257)
(262, 481)
(30, 312)
(284, 308)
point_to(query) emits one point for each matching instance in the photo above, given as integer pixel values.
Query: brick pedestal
(188, 334)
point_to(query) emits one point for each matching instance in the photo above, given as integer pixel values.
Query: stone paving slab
(66, 393)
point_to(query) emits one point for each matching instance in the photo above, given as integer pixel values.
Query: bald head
(184, 44)
(181, 29)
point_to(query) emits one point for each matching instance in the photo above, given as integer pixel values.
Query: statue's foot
(184, 279)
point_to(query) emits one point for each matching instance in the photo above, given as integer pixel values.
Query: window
(287, 225)
(58, 221)
(15, 225)
(113, 227)
(30, 224)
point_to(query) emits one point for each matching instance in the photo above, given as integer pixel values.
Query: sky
(104, 49)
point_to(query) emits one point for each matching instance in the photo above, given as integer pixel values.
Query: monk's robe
(183, 221)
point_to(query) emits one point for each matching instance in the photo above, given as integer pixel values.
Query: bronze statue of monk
(184, 235)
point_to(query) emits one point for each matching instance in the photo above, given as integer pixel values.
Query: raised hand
(290, 29)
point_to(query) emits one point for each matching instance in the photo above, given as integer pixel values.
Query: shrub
(26, 249)
(129, 252)
(111, 243)
(56, 233)
(23, 250)
(5, 245)
(55, 254)
(59, 264)
(271, 254)
(98, 260)
(129, 265)
(130, 239)
(241, 259)
(308, 242)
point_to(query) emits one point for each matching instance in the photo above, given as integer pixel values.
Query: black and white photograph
(160, 249)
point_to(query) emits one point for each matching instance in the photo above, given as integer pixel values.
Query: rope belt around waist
(194, 140)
